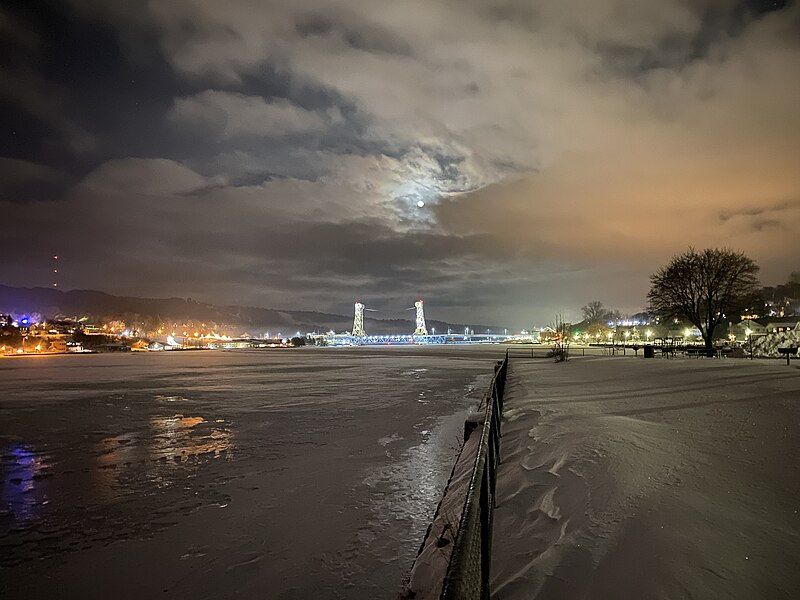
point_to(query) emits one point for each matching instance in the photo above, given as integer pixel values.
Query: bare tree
(702, 287)
(560, 351)
(594, 312)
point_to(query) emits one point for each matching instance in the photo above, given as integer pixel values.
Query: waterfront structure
(358, 321)
(421, 329)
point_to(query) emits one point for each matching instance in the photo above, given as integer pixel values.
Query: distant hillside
(101, 306)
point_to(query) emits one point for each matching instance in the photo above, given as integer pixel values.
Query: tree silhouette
(595, 312)
(704, 287)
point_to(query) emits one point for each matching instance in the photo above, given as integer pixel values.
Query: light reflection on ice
(161, 398)
(169, 441)
(179, 437)
(23, 487)
(175, 437)
(406, 489)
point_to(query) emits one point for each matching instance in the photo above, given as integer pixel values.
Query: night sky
(505, 160)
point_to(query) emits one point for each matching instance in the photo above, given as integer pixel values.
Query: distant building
(782, 325)
(58, 345)
(547, 334)
(63, 326)
(744, 329)
(44, 344)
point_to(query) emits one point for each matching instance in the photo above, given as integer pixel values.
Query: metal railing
(454, 559)
(545, 351)
(592, 349)
(468, 574)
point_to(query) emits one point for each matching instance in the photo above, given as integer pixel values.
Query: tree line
(705, 288)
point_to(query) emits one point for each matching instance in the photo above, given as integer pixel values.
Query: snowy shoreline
(632, 478)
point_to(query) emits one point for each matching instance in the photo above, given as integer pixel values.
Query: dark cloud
(754, 211)
(275, 153)
(30, 182)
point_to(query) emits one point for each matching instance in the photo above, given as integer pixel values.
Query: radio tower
(421, 329)
(54, 270)
(358, 321)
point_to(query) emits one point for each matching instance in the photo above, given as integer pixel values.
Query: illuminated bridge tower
(421, 329)
(358, 321)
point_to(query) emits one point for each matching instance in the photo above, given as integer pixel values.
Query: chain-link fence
(453, 561)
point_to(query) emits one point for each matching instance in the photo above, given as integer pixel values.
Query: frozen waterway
(269, 474)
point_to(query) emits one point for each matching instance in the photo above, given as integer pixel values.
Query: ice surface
(270, 474)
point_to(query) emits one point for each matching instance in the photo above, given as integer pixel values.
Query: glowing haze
(503, 159)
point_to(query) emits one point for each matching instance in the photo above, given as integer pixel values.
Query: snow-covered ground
(266, 474)
(628, 478)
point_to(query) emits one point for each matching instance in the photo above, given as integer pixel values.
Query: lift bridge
(359, 337)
